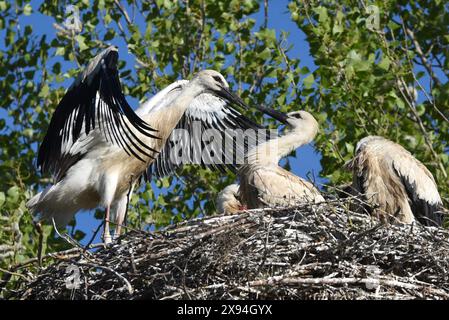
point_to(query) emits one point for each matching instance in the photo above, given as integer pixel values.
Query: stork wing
(210, 133)
(95, 99)
(425, 201)
(162, 99)
(275, 186)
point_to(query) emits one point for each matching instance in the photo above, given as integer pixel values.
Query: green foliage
(360, 87)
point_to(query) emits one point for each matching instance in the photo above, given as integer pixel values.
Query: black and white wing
(211, 133)
(94, 102)
(422, 191)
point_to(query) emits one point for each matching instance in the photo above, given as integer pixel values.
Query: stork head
(303, 122)
(213, 82)
(228, 200)
(363, 142)
(211, 79)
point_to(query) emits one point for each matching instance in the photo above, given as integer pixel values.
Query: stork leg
(122, 212)
(107, 235)
(40, 231)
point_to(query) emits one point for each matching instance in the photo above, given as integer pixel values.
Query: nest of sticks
(322, 251)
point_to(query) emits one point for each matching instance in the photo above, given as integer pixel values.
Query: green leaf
(268, 35)
(349, 147)
(355, 61)
(13, 194)
(265, 54)
(2, 199)
(28, 132)
(60, 51)
(27, 9)
(44, 91)
(81, 42)
(230, 47)
(165, 183)
(323, 17)
(309, 81)
(337, 28)
(400, 103)
(385, 63)
(107, 19)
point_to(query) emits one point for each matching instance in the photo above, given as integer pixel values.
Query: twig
(342, 281)
(123, 11)
(128, 285)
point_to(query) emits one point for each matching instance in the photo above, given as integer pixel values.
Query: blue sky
(307, 161)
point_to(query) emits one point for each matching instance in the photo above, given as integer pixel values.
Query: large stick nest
(320, 251)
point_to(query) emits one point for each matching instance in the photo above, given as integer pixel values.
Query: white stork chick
(397, 186)
(97, 147)
(263, 182)
(227, 200)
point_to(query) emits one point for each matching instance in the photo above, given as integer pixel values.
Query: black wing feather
(426, 213)
(80, 108)
(233, 119)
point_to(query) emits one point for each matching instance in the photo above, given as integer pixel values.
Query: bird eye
(218, 79)
(297, 116)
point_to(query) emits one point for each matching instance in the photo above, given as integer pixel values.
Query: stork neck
(185, 98)
(166, 119)
(272, 151)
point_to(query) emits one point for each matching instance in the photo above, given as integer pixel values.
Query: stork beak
(229, 96)
(281, 117)
(226, 94)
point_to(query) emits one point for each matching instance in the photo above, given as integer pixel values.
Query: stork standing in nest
(263, 183)
(396, 185)
(97, 147)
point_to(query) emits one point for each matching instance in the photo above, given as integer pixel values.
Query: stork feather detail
(397, 186)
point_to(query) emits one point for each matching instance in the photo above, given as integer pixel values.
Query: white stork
(97, 147)
(396, 185)
(263, 182)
